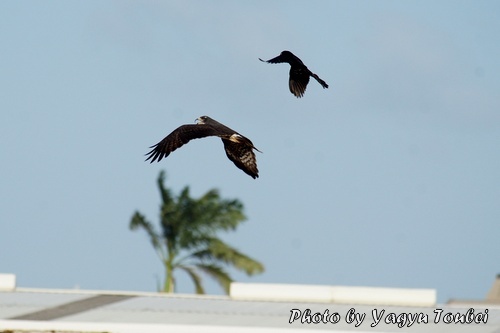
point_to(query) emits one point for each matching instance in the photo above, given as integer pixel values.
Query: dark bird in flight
(238, 148)
(299, 73)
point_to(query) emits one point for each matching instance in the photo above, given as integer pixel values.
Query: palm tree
(188, 238)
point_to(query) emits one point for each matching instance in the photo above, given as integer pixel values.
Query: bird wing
(299, 78)
(178, 138)
(276, 60)
(242, 155)
(285, 56)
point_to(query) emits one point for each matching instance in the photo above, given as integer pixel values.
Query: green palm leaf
(217, 250)
(195, 277)
(217, 273)
(139, 221)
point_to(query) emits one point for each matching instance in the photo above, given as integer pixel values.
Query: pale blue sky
(391, 177)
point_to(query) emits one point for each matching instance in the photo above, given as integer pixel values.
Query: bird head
(201, 120)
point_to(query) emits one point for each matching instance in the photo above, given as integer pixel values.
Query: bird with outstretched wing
(239, 149)
(299, 73)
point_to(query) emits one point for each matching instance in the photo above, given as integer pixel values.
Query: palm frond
(139, 221)
(216, 213)
(217, 250)
(194, 277)
(218, 274)
(166, 195)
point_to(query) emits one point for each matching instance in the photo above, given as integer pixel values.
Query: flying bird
(239, 149)
(299, 73)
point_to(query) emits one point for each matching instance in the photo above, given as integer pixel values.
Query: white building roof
(250, 308)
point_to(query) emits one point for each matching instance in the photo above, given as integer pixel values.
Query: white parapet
(7, 282)
(280, 292)
(333, 294)
(383, 296)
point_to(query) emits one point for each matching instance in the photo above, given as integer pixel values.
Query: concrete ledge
(280, 292)
(384, 296)
(7, 282)
(332, 294)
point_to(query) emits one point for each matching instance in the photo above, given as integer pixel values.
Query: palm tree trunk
(169, 268)
(168, 286)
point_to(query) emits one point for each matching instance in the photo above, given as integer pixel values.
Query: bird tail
(323, 83)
